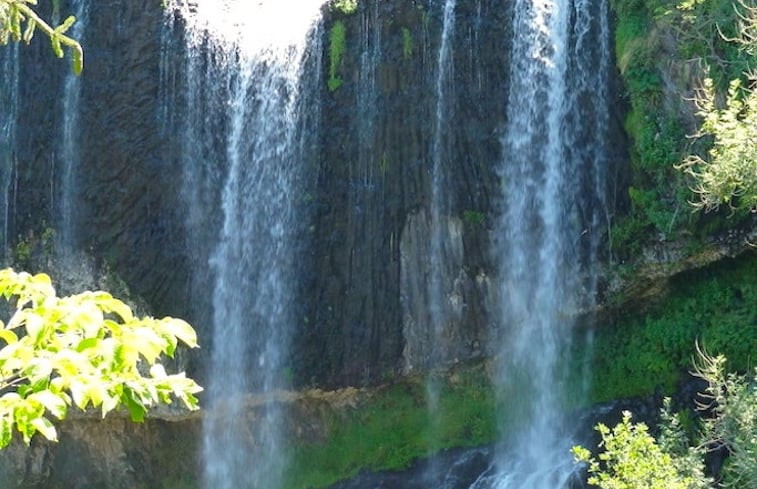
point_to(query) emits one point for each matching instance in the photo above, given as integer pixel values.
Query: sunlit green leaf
(134, 405)
(108, 303)
(87, 343)
(6, 430)
(157, 371)
(8, 336)
(180, 329)
(45, 427)
(52, 402)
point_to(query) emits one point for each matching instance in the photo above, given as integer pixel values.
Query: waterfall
(367, 103)
(552, 183)
(69, 155)
(9, 85)
(438, 285)
(248, 99)
(441, 149)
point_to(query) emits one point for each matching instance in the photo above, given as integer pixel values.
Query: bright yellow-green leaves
(18, 22)
(347, 7)
(632, 459)
(86, 350)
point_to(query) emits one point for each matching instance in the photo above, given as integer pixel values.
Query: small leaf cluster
(732, 400)
(346, 7)
(86, 350)
(18, 22)
(728, 175)
(633, 459)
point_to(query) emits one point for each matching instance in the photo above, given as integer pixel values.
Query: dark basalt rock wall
(114, 453)
(126, 190)
(374, 187)
(369, 202)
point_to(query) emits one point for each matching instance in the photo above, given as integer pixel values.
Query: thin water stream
(9, 87)
(69, 145)
(439, 279)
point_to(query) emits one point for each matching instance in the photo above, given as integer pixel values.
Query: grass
(392, 429)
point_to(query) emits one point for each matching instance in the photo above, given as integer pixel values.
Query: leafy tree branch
(727, 174)
(631, 458)
(18, 22)
(86, 350)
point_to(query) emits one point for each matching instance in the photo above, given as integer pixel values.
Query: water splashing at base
(247, 95)
(547, 208)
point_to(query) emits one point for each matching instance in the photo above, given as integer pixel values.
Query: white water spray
(547, 156)
(245, 81)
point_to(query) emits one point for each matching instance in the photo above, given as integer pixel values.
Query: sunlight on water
(249, 24)
(552, 191)
(251, 72)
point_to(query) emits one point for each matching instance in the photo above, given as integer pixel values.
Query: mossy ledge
(336, 434)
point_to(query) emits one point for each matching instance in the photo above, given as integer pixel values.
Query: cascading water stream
(439, 205)
(247, 99)
(438, 281)
(552, 188)
(367, 103)
(9, 85)
(68, 147)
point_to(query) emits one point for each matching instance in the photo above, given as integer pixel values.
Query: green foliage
(633, 459)
(407, 44)
(654, 40)
(625, 234)
(393, 428)
(346, 7)
(85, 350)
(33, 245)
(23, 252)
(337, 48)
(636, 355)
(729, 173)
(732, 399)
(18, 21)
(474, 218)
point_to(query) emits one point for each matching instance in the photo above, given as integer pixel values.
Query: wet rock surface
(366, 202)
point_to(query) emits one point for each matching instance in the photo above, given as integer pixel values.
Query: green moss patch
(392, 428)
(714, 306)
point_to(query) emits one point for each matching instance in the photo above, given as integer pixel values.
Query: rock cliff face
(100, 454)
(362, 311)
(126, 198)
(370, 262)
